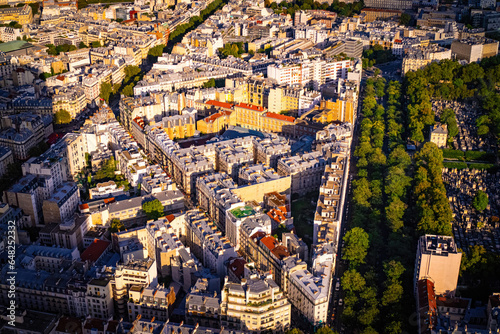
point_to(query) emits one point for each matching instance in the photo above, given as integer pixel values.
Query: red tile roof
(95, 250)
(213, 117)
(280, 252)
(237, 266)
(257, 235)
(269, 242)
(219, 104)
(250, 106)
(170, 218)
(280, 117)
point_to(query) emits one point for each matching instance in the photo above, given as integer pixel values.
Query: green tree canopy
(156, 51)
(116, 225)
(353, 281)
(107, 170)
(128, 90)
(480, 201)
(209, 84)
(106, 91)
(356, 246)
(153, 209)
(325, 330)
(62, 117)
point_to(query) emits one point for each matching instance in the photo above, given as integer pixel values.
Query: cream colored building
(260, 179)
(438, 260)
(255, 305)
(438, 134)
(100, 299)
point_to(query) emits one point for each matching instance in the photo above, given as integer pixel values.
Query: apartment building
(155, 181)
(214, 195)
(340, 109)
(166, 237)
(99, 298)
(438, 134)
(202, 306)
(6, 158)
(234, 155)
(439, 260)
(145, 107)
(214, 123)
(129, 274)
(62, 204)
(305, 171)
(271, 122)
(418, 57)
(256, 305)
(473, 49)
(257, 180)
(132, 165)
(41, 178)
(188, 165)
(390, 4)
(309, 291)
(269, 150)
(329, 209)
(106, 189)
(41, 291)
(313, 73)
(206, 243)
(150, 302)
(179, 126)
(22, 132)
(22, 15)
(245, 214)
(293, 100)
(247, 115)
(261, 248)
(72, 99)
(129, 211)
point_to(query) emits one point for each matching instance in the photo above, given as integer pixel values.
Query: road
(340, 267)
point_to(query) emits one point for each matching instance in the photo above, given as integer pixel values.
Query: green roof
(243, 211)
(14, 46)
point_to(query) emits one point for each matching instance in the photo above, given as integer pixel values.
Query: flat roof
(14, 46)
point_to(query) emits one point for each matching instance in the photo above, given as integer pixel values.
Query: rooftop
(243, 211)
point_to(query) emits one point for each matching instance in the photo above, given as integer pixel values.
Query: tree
(156, 51)
(209, 84)
(107, 170)
(392, 294)
(325, 330)
(294, 331)
(128, 90)
(448, 118)
(393, 270)
(480, 201)
(153, 209)
(62, 117)
(376, 72)
(356, 246)
(82, 45)
(353, 281)
(116, 225)
(405, 19)
(131, 71)
(96, 44)
(394, 213)
(106, 91)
